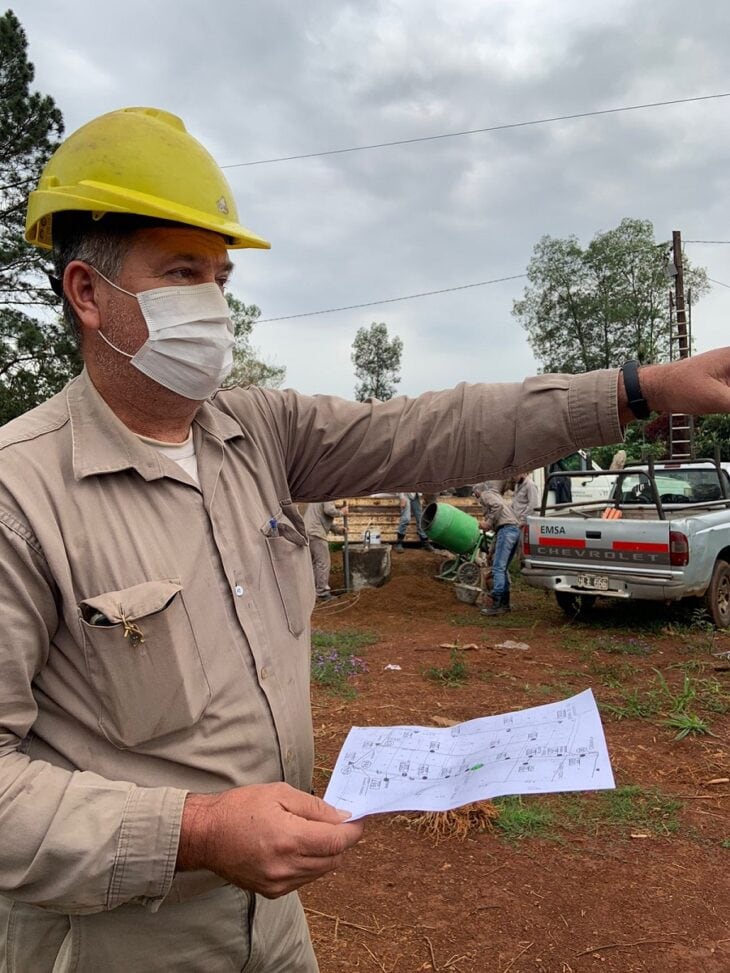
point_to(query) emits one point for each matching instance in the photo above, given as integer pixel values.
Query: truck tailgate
(593, 543)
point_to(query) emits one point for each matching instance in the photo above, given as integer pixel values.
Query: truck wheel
(573, 604)
(717, 596)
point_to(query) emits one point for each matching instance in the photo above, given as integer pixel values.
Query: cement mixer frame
(462, 536)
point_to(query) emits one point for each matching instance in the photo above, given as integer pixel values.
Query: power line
(443, 290)
(706, 241)
(479, 131)
(389, 300)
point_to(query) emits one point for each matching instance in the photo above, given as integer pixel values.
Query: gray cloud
(262, 79)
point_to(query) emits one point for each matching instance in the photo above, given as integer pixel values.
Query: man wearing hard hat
(155, 732)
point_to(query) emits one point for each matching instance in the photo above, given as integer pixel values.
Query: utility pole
(681, 427)
(682, 336)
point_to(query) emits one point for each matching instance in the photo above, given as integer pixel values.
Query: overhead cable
(390, 300)
(410, 297)
(478, 131)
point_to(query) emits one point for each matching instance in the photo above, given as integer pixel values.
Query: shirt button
(239, 590)
(289, 755)
(265, 672)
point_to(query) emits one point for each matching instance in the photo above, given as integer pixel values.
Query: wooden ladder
(681, 426)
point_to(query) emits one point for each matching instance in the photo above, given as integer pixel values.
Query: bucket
(467, 593)
(451, 528)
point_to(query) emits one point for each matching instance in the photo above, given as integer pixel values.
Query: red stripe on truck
(561, 542)
(639, 546)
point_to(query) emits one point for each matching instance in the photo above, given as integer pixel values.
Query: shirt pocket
(288, 548)
(143, 662)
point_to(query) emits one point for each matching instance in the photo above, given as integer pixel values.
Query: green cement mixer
(460, 534)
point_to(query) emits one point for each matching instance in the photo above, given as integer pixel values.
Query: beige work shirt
(319, 519)
(155, 635)
(526, 500)
(496, 510)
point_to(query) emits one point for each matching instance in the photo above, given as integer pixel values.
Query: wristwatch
(636, 401)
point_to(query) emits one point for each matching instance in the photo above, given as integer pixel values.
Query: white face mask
(189, 348)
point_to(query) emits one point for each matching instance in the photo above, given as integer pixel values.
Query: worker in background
(498, 517)
(410, 509)
(525, 499)
(560, 483)
(319, 519)
(156, 745)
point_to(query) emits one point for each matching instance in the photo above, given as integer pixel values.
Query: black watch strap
(637, 403)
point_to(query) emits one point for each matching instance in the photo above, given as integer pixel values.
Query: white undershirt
(181, 453)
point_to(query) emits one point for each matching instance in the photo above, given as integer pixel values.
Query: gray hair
(102, 243)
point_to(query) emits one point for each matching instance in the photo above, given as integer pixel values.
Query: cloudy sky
(263, 79)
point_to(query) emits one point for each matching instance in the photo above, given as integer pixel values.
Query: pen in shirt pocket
(274, 527)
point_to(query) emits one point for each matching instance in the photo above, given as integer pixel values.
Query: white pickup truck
(595, 483)
(663, 535)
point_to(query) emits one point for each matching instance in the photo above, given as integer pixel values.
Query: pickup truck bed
(659, 552)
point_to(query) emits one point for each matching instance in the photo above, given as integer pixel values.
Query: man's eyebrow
(195, 258)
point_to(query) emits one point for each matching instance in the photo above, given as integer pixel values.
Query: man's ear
(80, 285)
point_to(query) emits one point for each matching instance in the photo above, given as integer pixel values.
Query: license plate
(596, 582)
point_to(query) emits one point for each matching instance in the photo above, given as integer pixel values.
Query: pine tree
(37, 355)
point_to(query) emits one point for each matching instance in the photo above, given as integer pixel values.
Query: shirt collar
(103, 444)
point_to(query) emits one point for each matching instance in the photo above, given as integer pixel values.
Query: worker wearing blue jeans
(410, 507)
(498, 516)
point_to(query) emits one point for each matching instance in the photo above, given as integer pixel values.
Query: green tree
(599, 306)
(37, 355)
(248, 369)
(711, 430)
(376, 358)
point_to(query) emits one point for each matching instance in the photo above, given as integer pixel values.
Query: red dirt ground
(580, 898)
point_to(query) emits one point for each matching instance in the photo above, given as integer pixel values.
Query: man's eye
(185, 273)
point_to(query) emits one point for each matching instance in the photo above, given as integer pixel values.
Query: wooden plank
(383, 513)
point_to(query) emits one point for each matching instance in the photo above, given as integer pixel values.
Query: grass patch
(626, 809)
(518, 818)
(634, 705)
(623, 811)
(614, 675)
(464, 620)
(555, 690)
(349, 640)
(580, 642)
(334, 659)
(633, 806)
(684, 708)
(451, 676)
(686, 723)
(707, 693)
(712, 696)
(623, 646)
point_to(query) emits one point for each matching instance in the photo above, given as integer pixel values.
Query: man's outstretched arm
(691, 386)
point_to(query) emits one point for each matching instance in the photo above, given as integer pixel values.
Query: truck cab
(595, 485)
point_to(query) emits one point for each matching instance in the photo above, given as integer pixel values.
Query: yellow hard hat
(140, 161)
